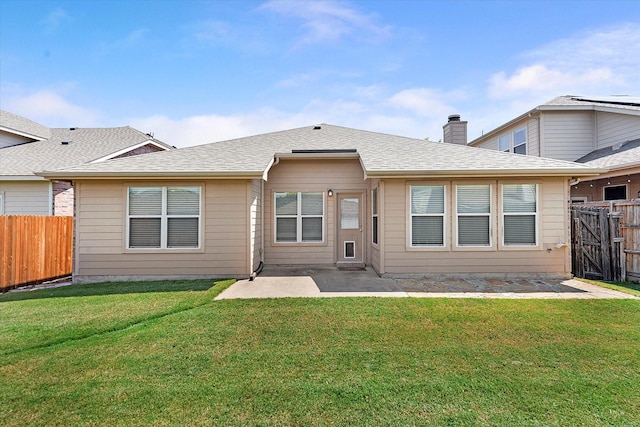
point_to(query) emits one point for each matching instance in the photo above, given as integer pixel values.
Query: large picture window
(520, 214)
(473, 215)
(427, 215)
(163, 217)
(299, 217)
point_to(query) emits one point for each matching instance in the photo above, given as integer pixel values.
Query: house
(27, 147)
(321, 194)
(601, 132)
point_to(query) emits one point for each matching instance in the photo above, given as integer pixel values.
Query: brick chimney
(455, 131)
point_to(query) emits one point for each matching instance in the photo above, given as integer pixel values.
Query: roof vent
(317, 127)
(454, 118)
(65, 142)
(73, 128)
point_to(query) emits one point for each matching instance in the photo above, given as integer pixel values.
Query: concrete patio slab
(328, 281)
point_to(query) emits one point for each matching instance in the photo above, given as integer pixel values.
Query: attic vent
(73, 128)
(317, 127)
(65, 142)
(345, 150)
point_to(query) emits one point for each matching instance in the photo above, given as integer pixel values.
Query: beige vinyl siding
(311, 176)
(255, 223)
(553, 229)
(617, 128)
(26, 197)
(568, 135)
(100, 234)
(533, 140)
(490, 144)
(8, 139)
(374, 253)
(532, 136)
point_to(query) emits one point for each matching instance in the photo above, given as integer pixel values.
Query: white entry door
(350, 226)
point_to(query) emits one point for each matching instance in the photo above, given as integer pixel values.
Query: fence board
(34, 249)
(625, 235)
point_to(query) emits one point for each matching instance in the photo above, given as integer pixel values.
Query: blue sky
(195, 72)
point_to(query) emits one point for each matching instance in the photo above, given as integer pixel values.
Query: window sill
(163, 251)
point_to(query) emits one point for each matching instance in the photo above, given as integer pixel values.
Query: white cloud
(540, 78)
(51, 109)
(203, 129)
(55, 19)
(328, 21)
(600, 62)
(427, 102)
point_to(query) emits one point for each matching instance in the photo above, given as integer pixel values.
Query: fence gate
(596, 245)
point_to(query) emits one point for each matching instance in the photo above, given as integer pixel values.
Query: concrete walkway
(292, 282)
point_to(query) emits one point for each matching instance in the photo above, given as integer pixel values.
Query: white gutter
(21, 178)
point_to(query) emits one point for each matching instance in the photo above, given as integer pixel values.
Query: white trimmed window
(1, 203)
(520, 214)
(473, 215)
(299, 217)
(615, 192)
(514, 142)
(374, 216)
(427, 215)
(163, 217)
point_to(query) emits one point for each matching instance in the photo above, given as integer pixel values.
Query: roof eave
(21, 178)
(148, 175)
(484, 173)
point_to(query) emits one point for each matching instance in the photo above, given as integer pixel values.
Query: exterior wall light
(330, 193)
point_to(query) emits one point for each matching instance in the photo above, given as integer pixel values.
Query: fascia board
(21, 178)
(148, 175)
(486, 173)
(25, 134)
(126, 150)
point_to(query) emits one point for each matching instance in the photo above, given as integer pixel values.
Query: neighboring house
(321, 195)
(28, 147)
(602, 132)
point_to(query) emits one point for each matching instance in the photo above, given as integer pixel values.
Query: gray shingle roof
(620, 102)
(22, 125)
(380, 155)
(628, 154)
(84, 145)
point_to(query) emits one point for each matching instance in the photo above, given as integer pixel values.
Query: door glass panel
(349, 213)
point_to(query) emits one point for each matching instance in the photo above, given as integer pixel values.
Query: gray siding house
(602, 132)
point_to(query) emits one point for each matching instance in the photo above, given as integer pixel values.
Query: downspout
(264, 178)
(261, 264)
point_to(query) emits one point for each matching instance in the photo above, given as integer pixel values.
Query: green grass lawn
(110, 355)
(626, 287)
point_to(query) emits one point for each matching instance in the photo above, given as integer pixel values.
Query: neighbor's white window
(374, 216)
(299, 217)
(514, 142)
(427, 215)
(163, 217)
(520, 214)
(1, 203)
(520, 141)
(473, 215)
(615, 192)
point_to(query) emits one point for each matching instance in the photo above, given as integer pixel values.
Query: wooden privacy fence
(34, 249)
(606, 240)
